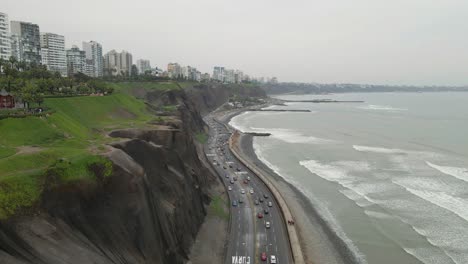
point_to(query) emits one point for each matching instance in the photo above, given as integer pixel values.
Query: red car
(246, 182)
(260, 215)
(263, 257)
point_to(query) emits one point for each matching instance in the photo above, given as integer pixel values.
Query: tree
(30, 94)
(134, 71)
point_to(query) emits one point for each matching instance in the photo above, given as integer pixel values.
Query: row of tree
(32, 82)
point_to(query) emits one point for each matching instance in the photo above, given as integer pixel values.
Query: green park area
(65, 143)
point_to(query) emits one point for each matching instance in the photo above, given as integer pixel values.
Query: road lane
(248, 236)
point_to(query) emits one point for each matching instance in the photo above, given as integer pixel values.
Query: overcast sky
(419, 42)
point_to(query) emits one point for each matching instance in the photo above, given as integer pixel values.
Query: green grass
(218, 206)
(201, 137)
(170, 108)
(6, 152)
(64, 140)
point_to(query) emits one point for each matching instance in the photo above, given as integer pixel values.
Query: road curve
(249, 236)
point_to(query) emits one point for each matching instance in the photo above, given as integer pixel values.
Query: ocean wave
(380, 150)
(456, 205)
(291, 136)
(382, 108)
(459, 173)
(329, 221)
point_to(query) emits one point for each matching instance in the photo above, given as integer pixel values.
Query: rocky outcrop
(148, 211)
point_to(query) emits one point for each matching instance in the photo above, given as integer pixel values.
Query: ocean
(389, 175)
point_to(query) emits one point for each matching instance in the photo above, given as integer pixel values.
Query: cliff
(148, 209)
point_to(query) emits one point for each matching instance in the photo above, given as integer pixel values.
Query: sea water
(389, 175)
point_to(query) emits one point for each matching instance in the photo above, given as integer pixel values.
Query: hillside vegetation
(64, 144)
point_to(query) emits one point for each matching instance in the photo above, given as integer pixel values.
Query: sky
(394, 42)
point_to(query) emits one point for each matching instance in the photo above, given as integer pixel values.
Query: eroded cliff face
(148, 211)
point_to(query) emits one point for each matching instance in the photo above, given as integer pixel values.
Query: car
(245, 182)
(265, 195)
(232, 182)
(248, 178)
(241, 201)
(235, 178)
(270, 204)
(230, 166)
(229, 188)
(263, 257)
(260, 215)
(243, 191)
(273, 259)
(227, 176)
(266, 211)
(267, 224)
(251, 191)
(224, 167)
(238, 169)
(256, 202)
(234, 203)
(261, 200)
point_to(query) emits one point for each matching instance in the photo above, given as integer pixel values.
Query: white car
(270, 204)
(251, 191)
(267, 224)
(229, 188)
(273, 259)
(243, 191)
(248, 178)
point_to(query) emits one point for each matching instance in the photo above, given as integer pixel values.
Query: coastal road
(249, 236)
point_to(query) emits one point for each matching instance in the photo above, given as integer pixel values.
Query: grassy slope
(66, 143)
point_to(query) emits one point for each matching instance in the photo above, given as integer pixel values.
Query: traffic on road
(258, 233)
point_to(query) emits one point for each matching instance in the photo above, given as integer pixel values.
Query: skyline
(396, 43)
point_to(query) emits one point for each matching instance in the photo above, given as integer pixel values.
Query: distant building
(229, 76)
(53, 53)
(218, 73)
(93, 51)
(76, 61)
(118, 64)
(205, 77)
(27, 42)
(5, 42)
(143, 66)
(174, 70)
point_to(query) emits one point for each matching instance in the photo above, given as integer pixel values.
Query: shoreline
(320, 244)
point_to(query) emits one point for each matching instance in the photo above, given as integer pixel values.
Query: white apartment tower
(118, 63)
(5, 45)
(53, 52)
(93, 51)
(143, 66)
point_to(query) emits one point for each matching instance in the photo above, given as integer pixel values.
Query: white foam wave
(459, 173)
(321, 208)
(382, 108)
(456, 205)
(379, 150)
(291, 136)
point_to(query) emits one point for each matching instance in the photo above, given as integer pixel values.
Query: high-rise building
(53, 52)
(93, 51)
(218, 73)
(76, 61)
(143, 66)
(5, 45)
(126, 62)
(174, 70)
(118, 63)
(27, 42)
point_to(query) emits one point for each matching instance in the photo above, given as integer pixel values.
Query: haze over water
(390, 175)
